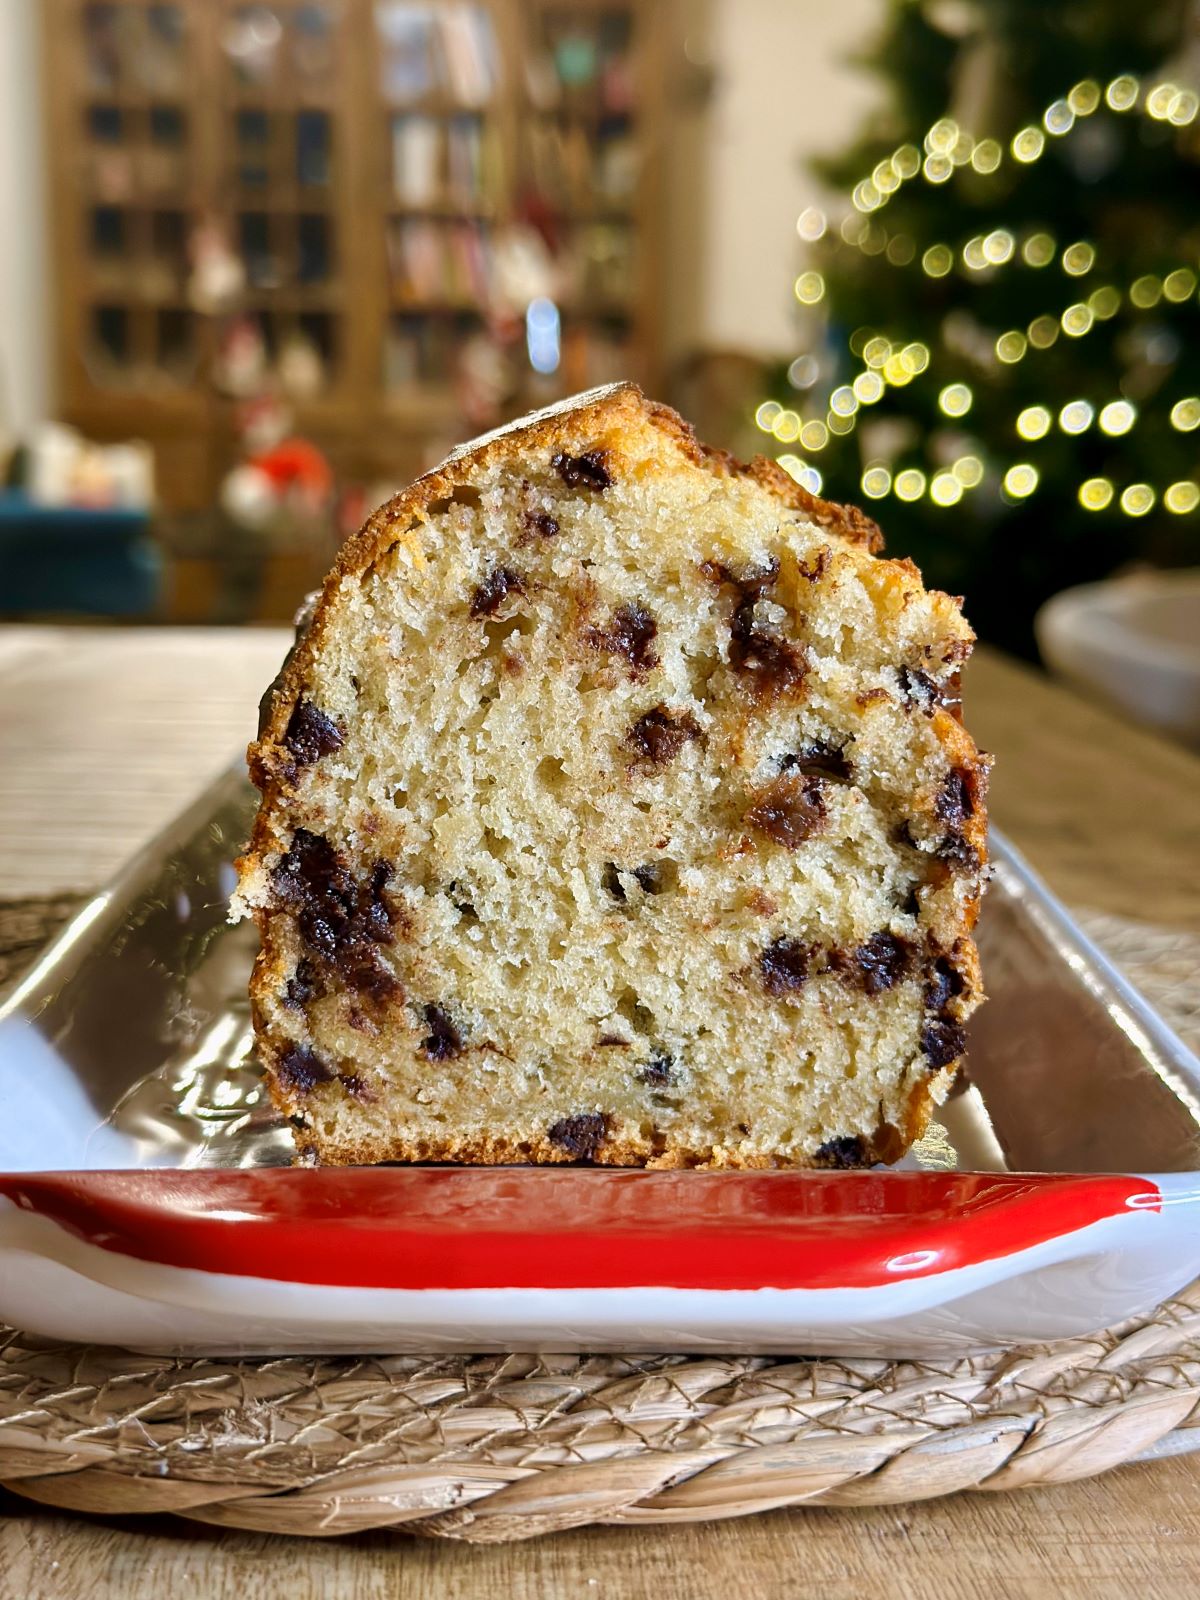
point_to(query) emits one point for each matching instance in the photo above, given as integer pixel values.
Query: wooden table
(103, 735)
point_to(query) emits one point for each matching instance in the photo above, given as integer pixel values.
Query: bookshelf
(410, 218)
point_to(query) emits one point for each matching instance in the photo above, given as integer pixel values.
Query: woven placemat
(495, 1448)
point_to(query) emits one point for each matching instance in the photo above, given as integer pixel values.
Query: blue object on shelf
(72, 559)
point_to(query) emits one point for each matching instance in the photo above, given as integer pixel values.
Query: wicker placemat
(494, 1448)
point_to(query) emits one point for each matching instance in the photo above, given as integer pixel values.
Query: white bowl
(1133, 641)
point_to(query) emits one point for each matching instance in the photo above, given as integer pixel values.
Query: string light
(803, 372)
(1011, 346)
(1117, 418)
(1137, 499)
(1160, 100)
(1076, 416)
(947, 146)
(1020, 481)
(955, 399)
(1058, 118)
(909, 484)
(1122, 92)
(1038, 250)
(1084, 97)
(1178, 285)
(945, 490)
(1096, 494)
(1078, 258)
(1104, 302)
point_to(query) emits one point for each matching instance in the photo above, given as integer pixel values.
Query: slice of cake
(616, 808)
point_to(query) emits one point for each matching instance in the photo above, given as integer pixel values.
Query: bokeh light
(1034, 422)
(1076, 416)
(1137, 499)
(876, 481)
(1021, 480)
(955, 399)
(1117, 417)
(1182, 497)
(909, 484)
(1095, 494)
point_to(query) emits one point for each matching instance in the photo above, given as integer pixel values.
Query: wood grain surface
(1109, 815)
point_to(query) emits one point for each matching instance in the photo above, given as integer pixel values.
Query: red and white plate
(146, 1196)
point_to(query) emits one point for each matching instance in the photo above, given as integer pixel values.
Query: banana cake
(617, 808)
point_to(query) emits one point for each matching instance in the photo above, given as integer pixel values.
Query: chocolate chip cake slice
(616, 807)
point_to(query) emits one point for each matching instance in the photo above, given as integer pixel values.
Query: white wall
(784, 91)
(25, 352)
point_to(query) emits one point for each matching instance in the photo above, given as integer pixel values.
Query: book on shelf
(416, 159)
(426, 49)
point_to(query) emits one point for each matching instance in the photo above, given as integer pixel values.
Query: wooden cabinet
(408, 218)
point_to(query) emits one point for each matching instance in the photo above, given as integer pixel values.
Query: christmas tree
(1001, 337)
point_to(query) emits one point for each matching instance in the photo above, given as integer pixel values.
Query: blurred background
(263, 263)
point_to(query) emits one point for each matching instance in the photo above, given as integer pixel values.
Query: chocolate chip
(660, 735)
(790, 810)
(955, 801)
(819, 756)
(945, 983)
(340, 920)
(444, 1041)
(918, 689)
(588, 471)
(357, 1088)
(956, 851)
(630, 634)
(817, 570)
(651, 877)
(541, 523)
(608, 1039)
(773, 666)
(302, 985)
(843, 1153)
(580, 1136)
(494, 590)
(311, 734)
(658, 1072)
(784, 966)
(942, 1042)
(877, 965)
(301, 1069)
